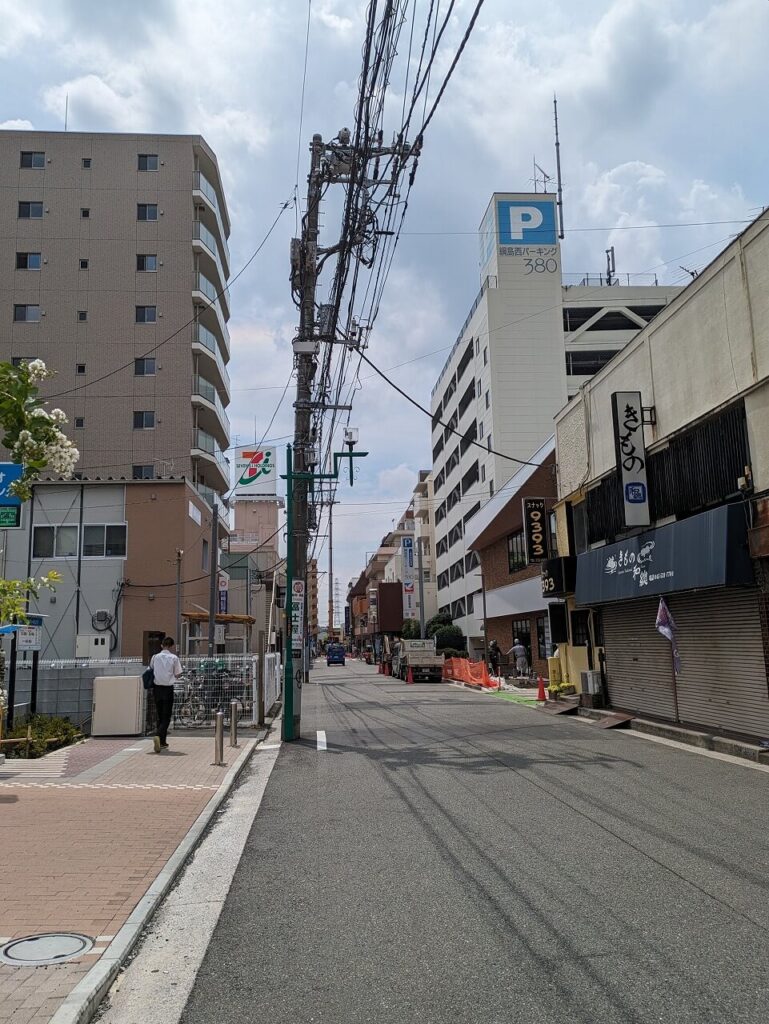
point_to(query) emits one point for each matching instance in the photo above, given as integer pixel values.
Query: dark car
(335, 654)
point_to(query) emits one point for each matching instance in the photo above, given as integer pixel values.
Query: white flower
(37, 370)
(40, 414)
(58, 416)
(24, 436)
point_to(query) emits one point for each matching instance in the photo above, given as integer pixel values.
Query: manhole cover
(41, 950)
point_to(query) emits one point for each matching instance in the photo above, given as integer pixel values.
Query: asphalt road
(452, 857)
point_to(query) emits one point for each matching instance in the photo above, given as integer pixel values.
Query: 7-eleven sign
(255, 471)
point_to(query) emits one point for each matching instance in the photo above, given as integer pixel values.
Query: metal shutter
(639, 663)
(722, 684)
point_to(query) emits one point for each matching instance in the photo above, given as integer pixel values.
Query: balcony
(204, 295)
(208, 494)
(205, 244)
(211, 413)
(206, 450)
(205, 345)
(203, 189)
(213, 293)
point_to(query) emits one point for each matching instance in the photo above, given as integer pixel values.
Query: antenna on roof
(559, 201)
(66, 110)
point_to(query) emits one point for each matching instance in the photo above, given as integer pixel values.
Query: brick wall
(496, 570)
(501, 630)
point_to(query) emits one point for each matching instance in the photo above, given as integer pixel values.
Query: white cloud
(17, 125)
(20, 23)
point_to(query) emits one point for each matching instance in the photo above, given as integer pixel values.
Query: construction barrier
(472, 673)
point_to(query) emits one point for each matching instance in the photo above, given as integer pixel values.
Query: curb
(84, 999)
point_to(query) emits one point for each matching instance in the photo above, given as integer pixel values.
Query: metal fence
(206, 686)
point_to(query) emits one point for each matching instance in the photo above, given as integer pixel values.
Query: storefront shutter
(722, 684)
(639, 665)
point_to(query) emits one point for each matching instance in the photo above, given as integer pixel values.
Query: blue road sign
(9, 472)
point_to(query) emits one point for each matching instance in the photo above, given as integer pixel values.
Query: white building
(527, 345)
(416, 530)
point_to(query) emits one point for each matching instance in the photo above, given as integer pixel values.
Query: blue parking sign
(9, 473)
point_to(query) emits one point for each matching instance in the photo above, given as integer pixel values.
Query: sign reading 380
(527, 228)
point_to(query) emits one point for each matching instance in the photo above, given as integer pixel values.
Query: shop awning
(515, 599)
(706, 550)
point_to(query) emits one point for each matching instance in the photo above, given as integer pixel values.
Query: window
(553, 536)
(32, 159)
(86, 162)
(85, 212)
(146, 262)
(426, 575)
(488, 443)
(204, 556)
(28, 261)
(477, 345)
(80, 369)
(30, 211)
(485, 356)
(79, 422)
(480, 429)
(148, 161)
(522, 632)
(491, 488)
(147, 211)
(84, 264)
(146, 314)
(483, 474)
(54, 542)
(20, 360)
(144, 420)
(26, 314)
(541, 638)
(516, 552)
(106, 541)
(144, 367)
(143, 472)
(82, 315)
(488, 400)
(580, 631)
(583, 361)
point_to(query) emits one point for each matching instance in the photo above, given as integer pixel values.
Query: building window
(146, 262)
(553, 536)
(143, 472)
(144, 367)
(541, 638)
(146, 314)
(491, 488)
(26, 314)
(84, 264)
(485, 356)
(147, 211)
(426, 575)
(144, 419)
(30, 211)
(82, 315)
(21, 360)
(516, 552)
(204, 556)
(104, 541)
(488, 400)
(148, 161)
(54, 542)
(580, 630)
(32, 159)
(85, 212)
(86, 163)
(477, 345)
(488, 443)
(522, 632)
(483, 474)
(480, 430)
(80, 369)
(28, 261)
(79, 422)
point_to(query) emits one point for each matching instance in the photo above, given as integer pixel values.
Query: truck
(420, 656)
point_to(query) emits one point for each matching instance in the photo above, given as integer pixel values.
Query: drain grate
(44, 950)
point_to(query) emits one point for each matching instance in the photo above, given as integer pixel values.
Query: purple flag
(666, 625)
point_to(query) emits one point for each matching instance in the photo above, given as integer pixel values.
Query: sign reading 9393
(527, 229)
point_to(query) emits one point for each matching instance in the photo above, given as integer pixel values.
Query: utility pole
(213, 560)
(331, 567)
(421, 588)
(179, 555)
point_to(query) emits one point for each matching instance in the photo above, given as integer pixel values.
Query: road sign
(29, 638)
(10, 505)
(297, 614)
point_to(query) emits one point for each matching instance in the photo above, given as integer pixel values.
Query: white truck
(420, 656)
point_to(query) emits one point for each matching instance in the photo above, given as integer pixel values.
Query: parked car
(335, 654)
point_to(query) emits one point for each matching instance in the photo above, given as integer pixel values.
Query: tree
(437, 622)
(410, 629)
(449, 636)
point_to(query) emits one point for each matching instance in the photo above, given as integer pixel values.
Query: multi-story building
(416, 531)
(528, 343)
(113, 269)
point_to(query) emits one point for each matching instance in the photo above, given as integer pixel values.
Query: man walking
(520, 658)
(167, 668)
(494, 653)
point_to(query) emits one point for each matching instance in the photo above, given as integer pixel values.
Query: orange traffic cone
(410, 676)
(540, 689)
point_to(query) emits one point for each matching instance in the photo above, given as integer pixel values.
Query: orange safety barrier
(461, 670)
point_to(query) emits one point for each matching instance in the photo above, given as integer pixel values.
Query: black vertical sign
(536, 529)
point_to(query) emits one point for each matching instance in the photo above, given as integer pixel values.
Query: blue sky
(662, 122)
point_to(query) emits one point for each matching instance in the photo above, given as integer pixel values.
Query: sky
(663, 125)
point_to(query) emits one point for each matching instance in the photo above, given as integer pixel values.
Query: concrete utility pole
(421, 588)
(179, 556)
(213, 563)
(331, 567)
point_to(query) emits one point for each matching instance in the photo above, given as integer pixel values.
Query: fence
(207, 685)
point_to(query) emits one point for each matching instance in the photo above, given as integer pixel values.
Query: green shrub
(47, 734)
(410, 629)
(436, 623)
(449, 636)
(452, 652)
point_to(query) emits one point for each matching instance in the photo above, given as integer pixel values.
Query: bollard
(233, 723)
(219, 738)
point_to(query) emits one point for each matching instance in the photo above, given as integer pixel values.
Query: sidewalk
(83, 844)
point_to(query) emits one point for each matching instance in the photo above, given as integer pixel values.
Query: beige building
(113, 269)
(256, 569)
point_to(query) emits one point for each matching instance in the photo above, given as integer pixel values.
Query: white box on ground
(118, 706)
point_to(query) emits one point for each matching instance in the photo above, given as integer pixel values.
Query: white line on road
(321, 736)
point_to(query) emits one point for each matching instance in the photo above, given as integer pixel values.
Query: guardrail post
(219, 738)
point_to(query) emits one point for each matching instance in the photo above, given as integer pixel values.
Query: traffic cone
(540, 689)
(410, 676)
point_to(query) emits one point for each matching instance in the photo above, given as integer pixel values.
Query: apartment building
(113, 269)
(528, 343)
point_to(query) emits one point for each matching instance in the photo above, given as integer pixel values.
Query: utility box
(93, 645)
(591, 682)
(118, 706)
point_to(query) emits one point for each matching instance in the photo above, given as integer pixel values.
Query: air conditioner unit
(591, 682)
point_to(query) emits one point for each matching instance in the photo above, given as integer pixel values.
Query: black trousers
(164, 705)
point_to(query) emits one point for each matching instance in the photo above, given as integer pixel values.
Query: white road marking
(321, 736)
(268, 746)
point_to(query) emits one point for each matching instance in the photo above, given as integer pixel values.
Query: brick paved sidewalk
(80, 851)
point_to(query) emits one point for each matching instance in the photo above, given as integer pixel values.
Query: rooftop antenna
(610, 266)
(691, 273)
(546, 178)
(559, 201)
(534, 179)
(66, 110)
